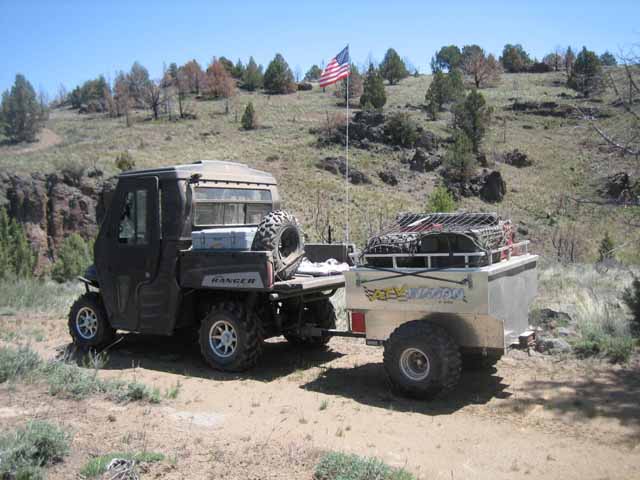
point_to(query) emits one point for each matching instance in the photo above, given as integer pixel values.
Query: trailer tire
(89, 325)
(280, 233)
(321, 313)
(422, 360)
(238, 344)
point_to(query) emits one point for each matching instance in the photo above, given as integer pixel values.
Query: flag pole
(347, 150)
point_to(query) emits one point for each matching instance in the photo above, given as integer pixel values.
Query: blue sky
(54, 42)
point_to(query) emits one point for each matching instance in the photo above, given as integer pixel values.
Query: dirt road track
(533, 417)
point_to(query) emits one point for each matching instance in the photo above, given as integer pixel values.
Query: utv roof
(211, 170)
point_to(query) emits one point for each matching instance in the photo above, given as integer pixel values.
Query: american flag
(337, 69)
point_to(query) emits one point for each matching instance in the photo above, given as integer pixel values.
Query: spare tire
(280, 234)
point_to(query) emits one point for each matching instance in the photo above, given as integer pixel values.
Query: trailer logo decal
(404, 293)
(233, 280)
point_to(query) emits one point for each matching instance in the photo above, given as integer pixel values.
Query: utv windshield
(230, 206)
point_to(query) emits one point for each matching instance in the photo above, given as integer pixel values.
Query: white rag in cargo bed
(321, 269)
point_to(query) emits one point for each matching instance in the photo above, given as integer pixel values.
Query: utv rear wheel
(280, 233)
(229, 338)
(88, 323)
(321, 314)
(422, 360)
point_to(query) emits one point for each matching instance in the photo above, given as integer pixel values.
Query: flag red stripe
(334, 80)
(339, 71)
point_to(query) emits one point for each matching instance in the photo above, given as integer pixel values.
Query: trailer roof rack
(484, 234)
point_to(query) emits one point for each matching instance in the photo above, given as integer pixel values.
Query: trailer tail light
(358, 322)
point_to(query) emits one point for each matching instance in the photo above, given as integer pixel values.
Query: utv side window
(133, 219)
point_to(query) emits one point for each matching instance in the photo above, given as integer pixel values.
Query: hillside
(569, 162)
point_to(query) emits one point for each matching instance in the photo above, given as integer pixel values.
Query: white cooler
(230, 238)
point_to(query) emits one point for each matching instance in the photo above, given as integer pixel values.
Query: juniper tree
(445, 88)
(471, 116)
(313, 74)
(278, 77)
(393, 68)
(249, 121)
(373, 94)
(459, 161)
(252, 78)
(20, 112)
(586, 74)
(447, 58)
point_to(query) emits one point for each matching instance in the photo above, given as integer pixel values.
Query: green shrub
(249, 119)
(631, 297)
(341, 466)
(124, 161)
(70, 381)
(74, 256)
(606, 248)
(401, 129)
(16, 364)
(441, 201)
(17, 259)
(98, 465)
(24, 451)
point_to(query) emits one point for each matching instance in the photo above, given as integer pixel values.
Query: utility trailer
(438, 290)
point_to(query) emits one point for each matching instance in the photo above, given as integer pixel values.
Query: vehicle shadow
(368, 384)
(182, 356)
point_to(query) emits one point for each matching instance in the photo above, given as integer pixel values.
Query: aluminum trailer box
(483, 308)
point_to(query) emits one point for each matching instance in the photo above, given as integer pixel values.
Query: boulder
(493, 187)
(517, 159)
(338, 166)
(552, 345)
(548, 319)
(422, 162)
(388, 177)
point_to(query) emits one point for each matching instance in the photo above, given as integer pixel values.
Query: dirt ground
(530, 417)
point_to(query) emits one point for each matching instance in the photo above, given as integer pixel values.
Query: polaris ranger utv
(238, 288)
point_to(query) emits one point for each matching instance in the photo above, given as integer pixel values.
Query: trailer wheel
(321, 313)
(280, 233)
(229, 338)
(422, 360)
(88, 323)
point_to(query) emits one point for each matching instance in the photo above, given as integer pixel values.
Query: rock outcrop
(53, 206)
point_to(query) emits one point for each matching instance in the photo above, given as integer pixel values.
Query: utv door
(127, 249)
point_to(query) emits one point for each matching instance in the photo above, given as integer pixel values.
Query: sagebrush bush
(74, 256)
(26, 450)
(98, 465)
(38, 295)
(124, 161)
(342, 466)
(16, 364)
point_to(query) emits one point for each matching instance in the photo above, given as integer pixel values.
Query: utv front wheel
(229, 338)
(88, 323)
(422, 360)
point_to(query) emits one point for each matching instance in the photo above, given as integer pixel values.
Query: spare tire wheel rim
(87, 323)
(289, 243)
(223, 338)
(414, 364)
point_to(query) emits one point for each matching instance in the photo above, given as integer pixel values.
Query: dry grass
(567, 157)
